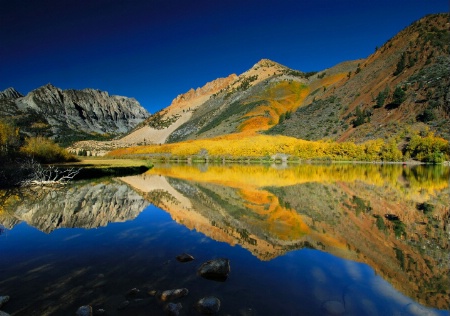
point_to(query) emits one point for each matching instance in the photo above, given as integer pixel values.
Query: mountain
(402, 88)
(403, 85)
(157, 127)
(68, 115)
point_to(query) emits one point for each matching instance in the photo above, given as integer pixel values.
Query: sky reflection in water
(55, 273)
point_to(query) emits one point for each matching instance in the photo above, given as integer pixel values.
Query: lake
(337, 239)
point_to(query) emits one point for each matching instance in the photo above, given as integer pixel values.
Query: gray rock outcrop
(10, 93)
(61, 113)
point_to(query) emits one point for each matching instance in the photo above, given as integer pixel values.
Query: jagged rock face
(86, 206)
(10, 93)
(70, 115)
(89, 110)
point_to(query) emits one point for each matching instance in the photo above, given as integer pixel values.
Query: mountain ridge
(352, 101)
(67, 115)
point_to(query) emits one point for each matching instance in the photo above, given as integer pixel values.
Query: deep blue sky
(154, 50)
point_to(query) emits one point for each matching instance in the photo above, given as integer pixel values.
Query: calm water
(303, 240)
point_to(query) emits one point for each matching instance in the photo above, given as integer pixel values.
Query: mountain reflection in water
(271, 212)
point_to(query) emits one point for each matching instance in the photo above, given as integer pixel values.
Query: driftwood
(39, 175)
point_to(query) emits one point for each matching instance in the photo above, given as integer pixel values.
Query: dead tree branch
(46, 176)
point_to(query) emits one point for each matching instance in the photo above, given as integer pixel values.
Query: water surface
(303, 240)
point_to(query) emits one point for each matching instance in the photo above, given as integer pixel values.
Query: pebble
(173, 309)
(208, 305)
(169, 295)
(85, 310)
(247, 312)
(152, 292)
(3, 300)
(133, 292)
(185, 257)
(123, 305)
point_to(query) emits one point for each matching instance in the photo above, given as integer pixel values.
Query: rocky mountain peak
(10, 93)
(267, 63)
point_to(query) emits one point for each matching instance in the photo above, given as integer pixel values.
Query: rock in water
(173, 309)
(133, 292)
(169, 295)
(123, 305)
(185, 257)
(334, 307)
(208, 305)
(85, 310)
(216, 269)
(3, 300)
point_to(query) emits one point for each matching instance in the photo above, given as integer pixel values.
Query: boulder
(216, 269)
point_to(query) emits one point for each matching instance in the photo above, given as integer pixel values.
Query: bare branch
(46, 176)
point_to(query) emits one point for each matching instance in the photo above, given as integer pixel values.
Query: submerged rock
(216, 269)
(133, 292)
(3, 300)
(85, 310)
(152, 292)
(169, 295)
(173, 309)
(208, 305)
(185, 257)
(334, 307)
(247, 312)
(123, 305)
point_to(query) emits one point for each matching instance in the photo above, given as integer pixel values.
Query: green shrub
(380, 223)
(426, 116)
(399, 96)
(381, 98)
(425, 207)
(400, 65)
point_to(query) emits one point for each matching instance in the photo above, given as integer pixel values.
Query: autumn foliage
(237, 146)
(12, 146)
(45, 150)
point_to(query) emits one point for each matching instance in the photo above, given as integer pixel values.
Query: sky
(154, 50)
